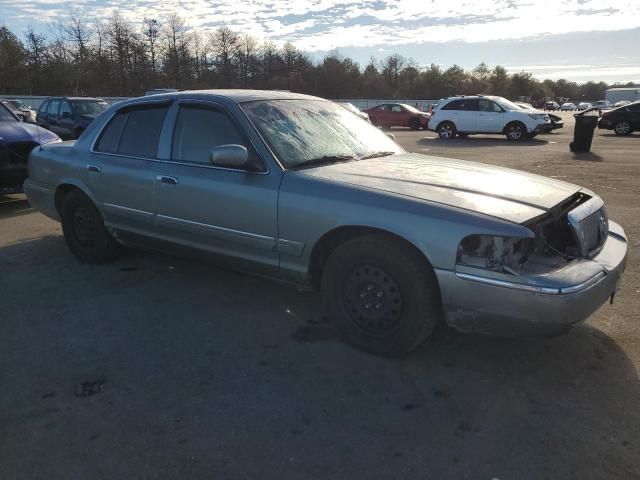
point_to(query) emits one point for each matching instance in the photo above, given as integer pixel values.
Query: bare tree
(151, 34)
(225, 45)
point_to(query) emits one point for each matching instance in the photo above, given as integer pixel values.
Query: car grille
(590, 224)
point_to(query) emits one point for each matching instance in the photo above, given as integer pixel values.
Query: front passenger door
(221, 210)
(490, 117)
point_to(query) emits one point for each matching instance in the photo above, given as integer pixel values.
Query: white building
(614, 95)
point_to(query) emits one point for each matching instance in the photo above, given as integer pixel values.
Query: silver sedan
(299, 189)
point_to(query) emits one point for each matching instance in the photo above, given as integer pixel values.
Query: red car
(388, 115)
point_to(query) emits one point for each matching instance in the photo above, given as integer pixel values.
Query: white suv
(463, 115)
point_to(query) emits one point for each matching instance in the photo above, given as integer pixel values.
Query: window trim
(170, 117)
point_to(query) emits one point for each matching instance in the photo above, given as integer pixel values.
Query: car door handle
(167, 179)
(94, 168)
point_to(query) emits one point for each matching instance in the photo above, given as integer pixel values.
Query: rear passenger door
(119, 169)
(221, 210)
(463, 113)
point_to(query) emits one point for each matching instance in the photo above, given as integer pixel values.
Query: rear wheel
(623, 127)
(381, 295)
(516, 131)
(447, 130)
(84, 230)
(414, 123)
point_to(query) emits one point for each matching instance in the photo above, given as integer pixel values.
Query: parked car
(551, 105)
(584, 105)
(395, 241)
(389, 115)
(17, 139)
(25, 113)
(355, 110)
(622, 120)
(568, 107)
(487, 114)
(602, 105)
(68, 117)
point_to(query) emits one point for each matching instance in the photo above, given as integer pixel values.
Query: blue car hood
(12, 131)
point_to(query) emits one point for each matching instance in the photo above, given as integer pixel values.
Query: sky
(579, 40)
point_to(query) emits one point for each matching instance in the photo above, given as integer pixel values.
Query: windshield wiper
(324, 160)
(377, 155)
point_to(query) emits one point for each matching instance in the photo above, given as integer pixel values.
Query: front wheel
(516, 131)
(84, 230)
(622, 128)
(381, 294)
(447, 130)
(414, 124)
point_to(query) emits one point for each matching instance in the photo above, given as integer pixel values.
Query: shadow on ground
(13, 206)
(154, 367)
(481, 141)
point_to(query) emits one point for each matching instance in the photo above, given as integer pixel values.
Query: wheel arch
(332, 239)
(67, 186)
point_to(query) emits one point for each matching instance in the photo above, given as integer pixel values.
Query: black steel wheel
(381, 294)
(84, 230)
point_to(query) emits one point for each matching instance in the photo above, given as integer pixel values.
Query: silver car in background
(297, 188)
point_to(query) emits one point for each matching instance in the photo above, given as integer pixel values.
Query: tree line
(117, 58)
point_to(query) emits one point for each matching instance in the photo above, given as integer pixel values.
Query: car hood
(499, 192)
(11, 131)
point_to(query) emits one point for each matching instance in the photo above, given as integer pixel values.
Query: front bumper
(605, 124)
(542, 128)
(543, 306)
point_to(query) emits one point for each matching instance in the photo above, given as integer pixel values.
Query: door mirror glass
(229, 156)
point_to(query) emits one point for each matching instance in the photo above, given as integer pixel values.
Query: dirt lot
(155, 367)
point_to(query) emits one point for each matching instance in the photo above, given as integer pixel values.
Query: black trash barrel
(583, 132)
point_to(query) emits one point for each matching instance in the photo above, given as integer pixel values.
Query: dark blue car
(68, 117)
(17, 139)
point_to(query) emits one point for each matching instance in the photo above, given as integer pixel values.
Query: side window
(134, 132)
(53, 107)
(396, 109)
(198, 129)
(110, 136)
(470, 106)
(453, 105)
(488, 106)
(141, 132)
(65, 107)
(43, 108)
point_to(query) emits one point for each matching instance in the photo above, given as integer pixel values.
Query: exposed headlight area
(575, 229)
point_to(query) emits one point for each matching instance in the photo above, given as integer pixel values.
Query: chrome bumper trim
(533, 289)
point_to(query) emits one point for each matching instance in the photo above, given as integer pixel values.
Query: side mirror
(391, 136)
(229, 156)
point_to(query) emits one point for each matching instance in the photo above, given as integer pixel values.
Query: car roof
(76, 98)
(235, 95)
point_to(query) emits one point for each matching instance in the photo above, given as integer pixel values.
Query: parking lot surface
(157, 367)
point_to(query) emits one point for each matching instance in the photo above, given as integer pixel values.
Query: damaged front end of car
(547, 281)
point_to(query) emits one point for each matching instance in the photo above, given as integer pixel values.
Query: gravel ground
(156, 367)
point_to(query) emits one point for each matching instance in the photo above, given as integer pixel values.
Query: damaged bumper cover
(540, 305)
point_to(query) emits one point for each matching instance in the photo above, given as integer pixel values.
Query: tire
(84, 231)
(414, 124)
(622, 128)
(516, 132)
(380, 295)
(447, 130)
